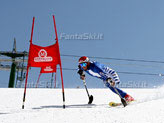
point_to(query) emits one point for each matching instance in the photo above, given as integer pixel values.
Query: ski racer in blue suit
(108, 75)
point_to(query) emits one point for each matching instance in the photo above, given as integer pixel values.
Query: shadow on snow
(70, 106)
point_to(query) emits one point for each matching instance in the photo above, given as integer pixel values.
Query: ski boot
(128, 98)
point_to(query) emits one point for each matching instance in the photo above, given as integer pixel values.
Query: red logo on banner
(43, 57)
(42, 53)
(48, 69)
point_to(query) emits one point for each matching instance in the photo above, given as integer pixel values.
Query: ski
(115, 104)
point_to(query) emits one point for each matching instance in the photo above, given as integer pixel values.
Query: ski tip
(113, 104)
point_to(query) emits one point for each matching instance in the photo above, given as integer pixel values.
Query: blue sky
(131, 29)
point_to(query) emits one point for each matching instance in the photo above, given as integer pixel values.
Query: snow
(45, 106)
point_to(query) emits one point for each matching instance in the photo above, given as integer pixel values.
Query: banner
(43, 56)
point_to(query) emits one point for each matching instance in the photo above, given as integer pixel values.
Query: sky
(126, 29)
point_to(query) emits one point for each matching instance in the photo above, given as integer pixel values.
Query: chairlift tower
(14, 54)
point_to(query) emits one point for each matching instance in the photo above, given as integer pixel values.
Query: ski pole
(89, 96)
(122, 100)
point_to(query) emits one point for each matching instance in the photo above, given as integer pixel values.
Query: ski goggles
(83, 64)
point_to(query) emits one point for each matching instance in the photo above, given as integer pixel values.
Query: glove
(82, 77)
(81, 73)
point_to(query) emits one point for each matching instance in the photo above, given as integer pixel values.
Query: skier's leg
(122, 93)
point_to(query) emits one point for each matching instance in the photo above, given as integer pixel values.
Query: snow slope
(45, 106)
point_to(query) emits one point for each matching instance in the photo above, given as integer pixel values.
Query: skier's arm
(112, 77)
(81, 73)
(107, 74)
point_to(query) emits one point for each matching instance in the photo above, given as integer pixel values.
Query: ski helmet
(83, 59)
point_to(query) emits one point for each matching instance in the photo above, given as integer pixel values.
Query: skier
(109, 76)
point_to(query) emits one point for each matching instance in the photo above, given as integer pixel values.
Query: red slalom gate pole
(60, 62)
(24, 95)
